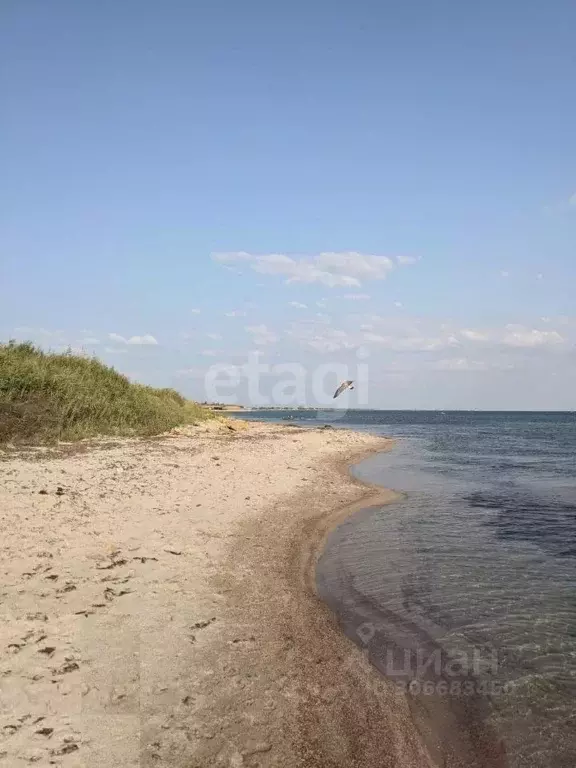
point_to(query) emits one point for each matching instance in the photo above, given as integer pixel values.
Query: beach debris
(15, 647)
(47, 650)
(69, 666)
(174, 551)
(69, 746)
(112, 564)
(110, 594)
(45, 731)
(204, 624)
(36, 617)
(144, 559)
(348, 384)
(59, 491)
(113, 560)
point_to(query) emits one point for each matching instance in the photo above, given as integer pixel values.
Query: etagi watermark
(432, 670)
(287, 384)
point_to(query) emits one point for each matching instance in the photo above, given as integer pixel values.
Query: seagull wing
(342, 387)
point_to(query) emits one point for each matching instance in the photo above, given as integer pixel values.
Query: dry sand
(159, 610)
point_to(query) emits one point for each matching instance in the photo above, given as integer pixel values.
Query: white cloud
(356, 296)
(215, 336)
(472, 335)
(504, 273)
(572, 200)
(514, 335)
(297, 305)
(375, 337)
(235, 313)
(208, 353)
(346, 268)
(90, 340)
(261, 334)
(322, 303)
(194, 311)
(519, 336)
(539, 276)
(419, 343)
(405, 260)
(416, 335)
(459, 364)
(412, 343)
(146, 340)
(355, 265)
(320, 337)
(398, 304)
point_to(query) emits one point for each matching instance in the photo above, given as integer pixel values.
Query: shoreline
(344, 713)
(434, 732)
(374, 496)
(160, 606)
(453, 730)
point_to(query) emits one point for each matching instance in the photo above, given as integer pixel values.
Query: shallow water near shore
(467, 585)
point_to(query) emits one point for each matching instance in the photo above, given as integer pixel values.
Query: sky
(251, 201)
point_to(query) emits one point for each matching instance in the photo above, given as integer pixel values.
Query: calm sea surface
(476, 562)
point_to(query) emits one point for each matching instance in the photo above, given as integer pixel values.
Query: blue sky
(178, 176)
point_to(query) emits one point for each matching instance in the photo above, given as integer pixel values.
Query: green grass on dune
(46, 397)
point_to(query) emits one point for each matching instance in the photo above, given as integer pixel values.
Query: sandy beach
(159, 609)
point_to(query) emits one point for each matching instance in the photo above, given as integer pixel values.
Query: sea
(464, 589)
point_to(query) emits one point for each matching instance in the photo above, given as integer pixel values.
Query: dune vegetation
(46, 397)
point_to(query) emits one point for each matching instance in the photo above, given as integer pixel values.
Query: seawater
(472, 574)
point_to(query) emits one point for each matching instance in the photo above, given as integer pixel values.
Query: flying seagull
(345, 385)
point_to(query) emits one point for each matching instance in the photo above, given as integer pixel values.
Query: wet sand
(159, 607)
